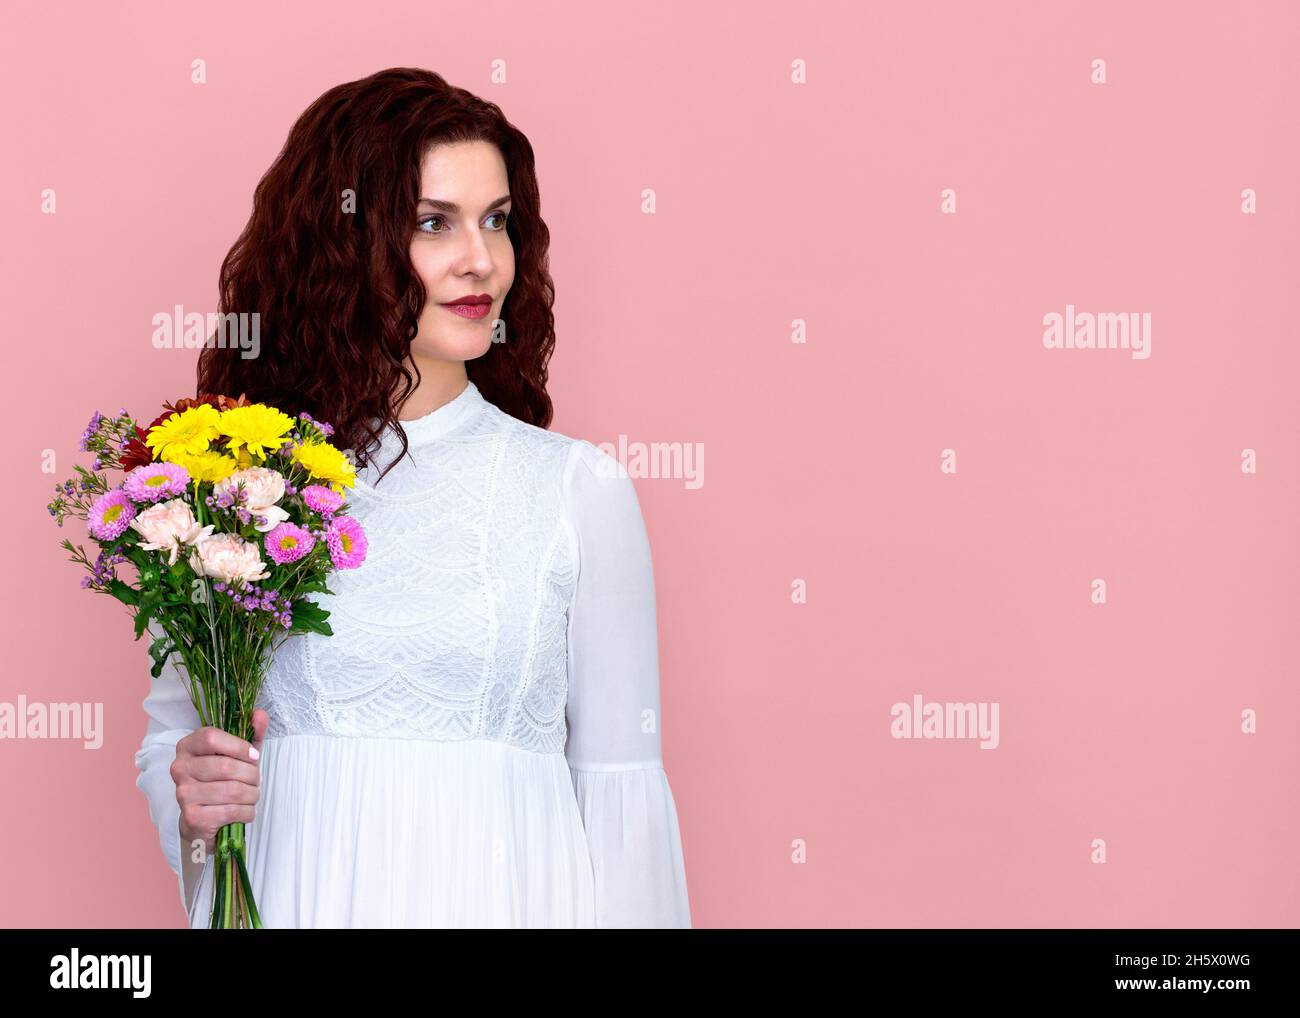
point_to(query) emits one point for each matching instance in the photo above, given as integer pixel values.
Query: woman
(478, 742)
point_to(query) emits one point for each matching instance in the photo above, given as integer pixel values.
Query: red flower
(212, 399)
(135, 453)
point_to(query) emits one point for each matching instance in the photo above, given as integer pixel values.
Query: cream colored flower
(263, 488)
(230, 558)
(169, 525)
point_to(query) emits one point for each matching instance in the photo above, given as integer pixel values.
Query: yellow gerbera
(210, 466)
(185, 433)
(324, 462)
(257, 428)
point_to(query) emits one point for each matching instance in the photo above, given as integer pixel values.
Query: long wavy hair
(334, 288)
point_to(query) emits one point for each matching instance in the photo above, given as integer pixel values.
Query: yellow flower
(257, 428)
(209, 466)
(324, 462)
(184, 434)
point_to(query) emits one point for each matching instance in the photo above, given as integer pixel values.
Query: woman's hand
(217, 781)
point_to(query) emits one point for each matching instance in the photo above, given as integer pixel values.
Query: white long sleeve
(612, 712)
(171, 717)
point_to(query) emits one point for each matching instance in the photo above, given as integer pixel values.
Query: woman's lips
(470, 310)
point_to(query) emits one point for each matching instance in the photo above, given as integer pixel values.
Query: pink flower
(229, 558)
(347, 543)
(110, 515)
(156, 481)
(263, 488)
(168, 525)
(288, 543)
(321, 499)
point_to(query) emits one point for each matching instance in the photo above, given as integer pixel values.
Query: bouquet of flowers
(214, 488)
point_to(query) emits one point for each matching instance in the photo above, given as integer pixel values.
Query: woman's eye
(424, 222)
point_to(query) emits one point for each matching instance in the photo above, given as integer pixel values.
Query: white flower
(263, 488)
(169, 525)
(229, 557)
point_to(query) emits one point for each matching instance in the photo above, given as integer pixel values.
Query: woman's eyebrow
(451, 208)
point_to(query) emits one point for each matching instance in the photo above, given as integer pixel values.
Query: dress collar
(440, 420)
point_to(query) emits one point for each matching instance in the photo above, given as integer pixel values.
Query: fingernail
(252, 751)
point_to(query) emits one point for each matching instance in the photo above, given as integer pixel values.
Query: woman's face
(460, 249)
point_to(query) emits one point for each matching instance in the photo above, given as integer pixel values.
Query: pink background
(776, 202)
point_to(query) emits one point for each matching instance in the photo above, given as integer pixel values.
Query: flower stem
(233, 906)
(218, 887)
(231, 890)
(245, 884)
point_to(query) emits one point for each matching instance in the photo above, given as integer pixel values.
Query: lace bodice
(455, 626)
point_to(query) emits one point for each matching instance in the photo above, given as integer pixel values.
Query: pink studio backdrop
(776, 201)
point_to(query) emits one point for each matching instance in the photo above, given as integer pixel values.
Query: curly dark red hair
(335, 290)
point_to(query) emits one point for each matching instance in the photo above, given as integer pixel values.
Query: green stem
(233, 907)
(247, 884)
(218, 887)
(230, 888)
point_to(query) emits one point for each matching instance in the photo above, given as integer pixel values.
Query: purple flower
(321, 499)
(347, 543)
(110, 515)
(104, 571)
(156, 482)
(91, 429)
(326, 429)
(288, 542)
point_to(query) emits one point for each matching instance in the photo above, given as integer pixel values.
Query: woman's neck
(440, 382)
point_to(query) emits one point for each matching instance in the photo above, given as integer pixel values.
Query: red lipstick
(470, 306)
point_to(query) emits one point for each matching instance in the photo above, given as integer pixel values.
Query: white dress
(478, 744)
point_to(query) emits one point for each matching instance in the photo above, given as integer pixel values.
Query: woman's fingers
(216, 793)
(214, 767)
(260, 720)
(209, 741)
(201, 817)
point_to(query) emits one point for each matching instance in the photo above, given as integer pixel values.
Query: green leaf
(123, 593)
(309, 617)
(158, 650)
